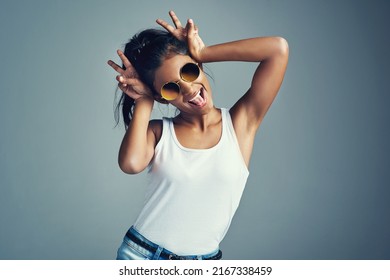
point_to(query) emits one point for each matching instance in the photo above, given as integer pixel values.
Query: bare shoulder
(155, 126)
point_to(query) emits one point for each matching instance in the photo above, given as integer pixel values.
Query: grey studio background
(319, 182)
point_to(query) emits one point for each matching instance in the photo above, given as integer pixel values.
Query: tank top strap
(230, 133)
(166, 132)
(228, 125)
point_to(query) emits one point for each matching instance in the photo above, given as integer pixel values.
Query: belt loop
(158, 252)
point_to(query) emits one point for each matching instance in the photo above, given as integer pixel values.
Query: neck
(201, 122)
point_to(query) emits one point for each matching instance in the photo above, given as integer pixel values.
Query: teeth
(195, 96)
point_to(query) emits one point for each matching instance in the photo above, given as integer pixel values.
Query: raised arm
(272, 54)
(137, 148)
(249, 111)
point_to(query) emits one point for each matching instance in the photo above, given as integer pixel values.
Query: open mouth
(199, 100)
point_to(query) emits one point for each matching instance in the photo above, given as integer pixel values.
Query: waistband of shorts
(142, 241)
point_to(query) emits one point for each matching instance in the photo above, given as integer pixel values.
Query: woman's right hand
(128, 79)
(188, 34)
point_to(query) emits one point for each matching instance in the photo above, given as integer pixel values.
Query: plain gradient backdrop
(319, 181)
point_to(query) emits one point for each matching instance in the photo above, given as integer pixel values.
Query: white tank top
(192, 193)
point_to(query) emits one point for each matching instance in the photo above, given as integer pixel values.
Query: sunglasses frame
(177, 82)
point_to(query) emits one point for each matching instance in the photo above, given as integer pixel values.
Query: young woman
(198, 161)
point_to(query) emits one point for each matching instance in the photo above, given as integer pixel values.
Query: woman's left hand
(189, 33)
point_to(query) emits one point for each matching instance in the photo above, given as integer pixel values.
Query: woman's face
(195, 97)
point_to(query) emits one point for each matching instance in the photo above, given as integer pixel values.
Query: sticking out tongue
(198, 100)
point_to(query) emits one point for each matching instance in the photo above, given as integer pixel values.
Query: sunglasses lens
(170, 91)
(190, 72)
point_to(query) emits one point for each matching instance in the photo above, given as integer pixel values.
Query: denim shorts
(136, 247)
